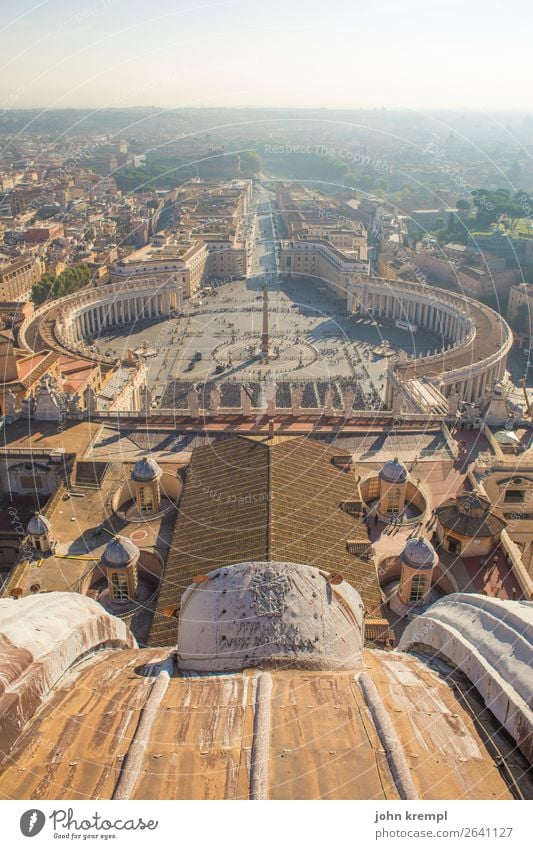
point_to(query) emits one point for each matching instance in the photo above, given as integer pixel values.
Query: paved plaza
(312, 342)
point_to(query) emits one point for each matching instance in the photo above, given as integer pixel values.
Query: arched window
(393, 499)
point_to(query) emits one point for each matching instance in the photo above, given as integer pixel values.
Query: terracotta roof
(49, 359)
(247, 500)
(471, 516)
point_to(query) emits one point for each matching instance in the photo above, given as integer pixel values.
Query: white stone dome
(119, 553)
(146, 470)
(394, 471)
(419, 554)
(38, 525)
(257, 613)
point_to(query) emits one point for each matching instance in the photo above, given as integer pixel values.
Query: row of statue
(266, 401)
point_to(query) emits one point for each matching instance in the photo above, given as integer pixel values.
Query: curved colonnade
(472, 355)
(87, 314)
(475, 340)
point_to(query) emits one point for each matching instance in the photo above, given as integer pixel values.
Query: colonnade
(473, 385)
(434, 316)
(113, 306)
(450, 317)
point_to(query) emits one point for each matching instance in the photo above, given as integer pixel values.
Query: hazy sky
(335, 53)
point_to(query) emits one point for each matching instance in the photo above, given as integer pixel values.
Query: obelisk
(264, 335)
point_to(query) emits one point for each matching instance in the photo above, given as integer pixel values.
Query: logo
(32, 822)
(270, 589)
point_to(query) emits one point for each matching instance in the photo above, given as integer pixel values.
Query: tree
(51, 287)
(491, 206)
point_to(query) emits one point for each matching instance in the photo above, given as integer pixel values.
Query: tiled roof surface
(248, 500)
(453, 518)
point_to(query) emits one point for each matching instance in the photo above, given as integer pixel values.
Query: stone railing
(254, 412)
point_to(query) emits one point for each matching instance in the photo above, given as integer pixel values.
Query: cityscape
(266, 415)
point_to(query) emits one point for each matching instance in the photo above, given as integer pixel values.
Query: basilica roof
(247, 500)
(392, 726)
(491, 641)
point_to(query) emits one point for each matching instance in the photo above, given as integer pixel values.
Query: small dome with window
(419, 554)
(394, 471)
(146, 470)
(38, 526)
(119, 553)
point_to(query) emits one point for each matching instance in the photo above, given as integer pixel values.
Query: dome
(419, 554)
(38, 525)
(146, 470)
(394, 471)
(119, 553)
(472, 504)
(257, 613)
(471, 515)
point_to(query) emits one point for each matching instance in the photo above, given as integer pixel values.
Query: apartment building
(186, 264)
(519, 296)
(17, 277)
(319, 259)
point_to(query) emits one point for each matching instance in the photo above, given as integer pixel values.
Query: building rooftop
(268, 734)
(246, 500)
(30, 435)
(471, 515)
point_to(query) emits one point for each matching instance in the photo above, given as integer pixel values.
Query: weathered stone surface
(41, 637)
(275, 613)
(491, 641)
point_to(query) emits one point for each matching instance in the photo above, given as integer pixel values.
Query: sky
(449, 54)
